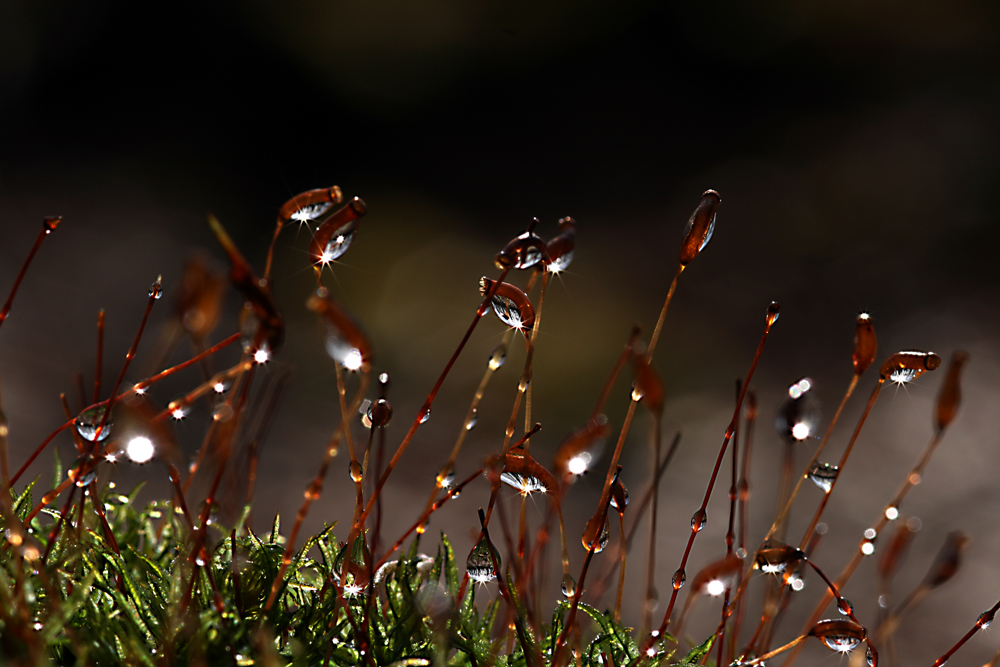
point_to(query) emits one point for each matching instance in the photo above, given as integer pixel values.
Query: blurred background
(854, 145)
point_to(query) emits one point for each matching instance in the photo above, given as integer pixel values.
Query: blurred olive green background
(854, 145)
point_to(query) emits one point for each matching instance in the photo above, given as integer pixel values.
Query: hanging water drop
(379, 413)
(700, 227)
(775, 557)
(678, 579)
(480, 563)
(984, 620)
(88, 421)
(905, 366)
(355, 470)
(568, 586)
(156, 289)
(823, 475)
(839, 635)
(560, 248)
(80, 478)
(845, 607)
(336, 233)
(524, 251)
(619, 496)
(311, 205)
(510, 304)
(698, 521)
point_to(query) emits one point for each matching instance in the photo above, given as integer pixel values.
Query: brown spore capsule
(523, 252)
(865, 344)
(908, 365)
(839, 634)
(581, 448)
(335, 235)
(346, 343)
(310, 205)
(700, 227)
(717, 576)
(560, 248)
(509, 303)
(951, 392)
(948, 560)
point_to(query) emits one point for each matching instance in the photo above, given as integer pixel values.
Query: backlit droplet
(526, 484)
(310, 205)
(498, 356)
(865, 344)
(870, 533)
(823, 475)
(346, 342)
(773, 312)
(336, 233)
(524, 251)
(473, 418)
(568, 586)
(561, 247)
(156, 290)
(839, 634)
(355, 470)
(510, 304)
(716, 577)
(678, 580)
(775, 557)
(379, 413)
(700, 227)
(140, 449)
(799, 415)
(480, 564)
(867, 547)
(425, 415)
(87, 422)
(84, 479)
(446, 478)
(698, 521)
(985, 619)
(619, 496)
(580, 449)
(605, 537)
(905, 366)
(891, 513)
(845, 607)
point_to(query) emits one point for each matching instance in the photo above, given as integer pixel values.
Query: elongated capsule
(948, 560)
(249, 285)
(310, 205)
(198, 303)
(775, 557)
(839, 634)
(908, 365)
(894, 555)
(700, 227)
(509, 303)
(648, 386)
(525, 474)
(865, 344)
(336, 233)
(716, 577)
(346, 342)
(560, 248)
(951, 392)
(524, 251)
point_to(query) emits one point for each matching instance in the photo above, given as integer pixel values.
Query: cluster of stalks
(243, 403)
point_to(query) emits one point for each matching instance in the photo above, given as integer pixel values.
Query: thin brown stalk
(100, 355)
(48, 225)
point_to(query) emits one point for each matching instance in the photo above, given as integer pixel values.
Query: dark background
(854, 145)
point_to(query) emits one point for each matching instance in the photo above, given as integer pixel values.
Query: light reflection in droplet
(140, 449)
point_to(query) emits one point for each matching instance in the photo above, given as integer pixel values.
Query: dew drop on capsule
(568, 586)
(823, 475)
(700, 227)
(773, 312)
(865, 344)
(87, 422)
(905, 366)
(480, 564)
(839, 635)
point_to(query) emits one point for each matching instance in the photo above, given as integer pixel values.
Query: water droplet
(845, 607)
(678, 580)
(773, 312)
(870, 533)
(526, 484)
(891, 513)
(883, 601)
(823, 475)
(799, 415)
(619, 496)
(88, 421)
(313, 491)
(775, 557)
(839, 634)
(498, 356)
(480, 564)
(425, 415)
(905, 366)
(560, 248)
(355, 470)
(156, 290)
(865, 344)
(581, 448)
(716, 577)
(75, 472)
(698, 521)
(700, 226)
(379, 413)
(869, 658)
(310, 205)
(473, 418)
(867, 547)
(510, 304)
(199, 560)
(345, 340)
(383, 379)
(446, 478)
(985, 619)
(568, 586)
(336, 233)
(523, 252)
(741, 553)
(602, 541)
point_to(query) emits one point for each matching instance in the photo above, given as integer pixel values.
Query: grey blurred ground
(854, 147)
